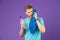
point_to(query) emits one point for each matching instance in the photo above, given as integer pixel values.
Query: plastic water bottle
(21, 20)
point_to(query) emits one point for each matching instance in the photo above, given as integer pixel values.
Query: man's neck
(29, 17)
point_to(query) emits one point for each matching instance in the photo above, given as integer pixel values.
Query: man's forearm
(21, 33)
(40, 26)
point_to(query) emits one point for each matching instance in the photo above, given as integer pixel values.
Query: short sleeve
(25, 23)
(41, 21)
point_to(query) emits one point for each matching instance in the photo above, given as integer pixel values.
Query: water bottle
(22, 22)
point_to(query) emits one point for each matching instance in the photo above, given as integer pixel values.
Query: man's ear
(25, 12)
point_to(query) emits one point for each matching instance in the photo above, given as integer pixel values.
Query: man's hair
(28, 7)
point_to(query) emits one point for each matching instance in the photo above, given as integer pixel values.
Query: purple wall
(10, 10)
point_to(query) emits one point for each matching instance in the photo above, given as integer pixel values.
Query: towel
(32, 24)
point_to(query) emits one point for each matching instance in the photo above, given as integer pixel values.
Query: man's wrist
(21, 28)
(36, 18)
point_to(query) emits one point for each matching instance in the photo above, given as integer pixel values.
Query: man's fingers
(22, 25)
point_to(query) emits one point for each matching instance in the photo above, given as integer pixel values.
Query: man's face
(29, 12)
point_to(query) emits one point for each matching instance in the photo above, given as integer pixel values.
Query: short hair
(28, 7)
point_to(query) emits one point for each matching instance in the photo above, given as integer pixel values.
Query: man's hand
(35, 15)
(22, 25)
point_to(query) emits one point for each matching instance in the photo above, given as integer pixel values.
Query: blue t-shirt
(36, 35)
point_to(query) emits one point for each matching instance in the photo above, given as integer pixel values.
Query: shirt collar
(29, 18)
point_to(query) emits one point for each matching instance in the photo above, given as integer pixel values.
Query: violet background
(11, 10)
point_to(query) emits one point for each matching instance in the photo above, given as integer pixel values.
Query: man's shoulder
(40, 18)
(25, 19)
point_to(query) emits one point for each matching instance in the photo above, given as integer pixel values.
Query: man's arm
(40, 26)
(21, 33)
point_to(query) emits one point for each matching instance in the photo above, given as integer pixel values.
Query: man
(25, 26)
